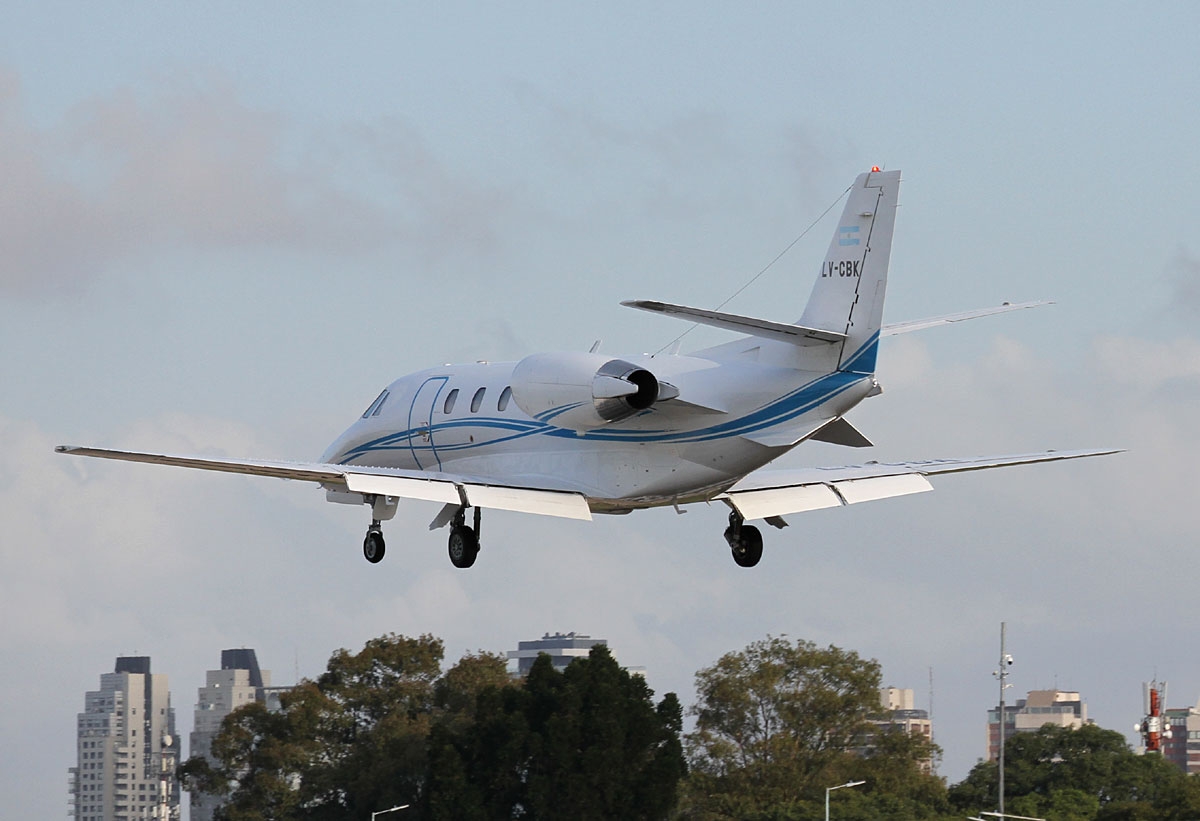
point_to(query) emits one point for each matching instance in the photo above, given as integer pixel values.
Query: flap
(404, 487)
(522, 500)
(765, 504)
(881, 487)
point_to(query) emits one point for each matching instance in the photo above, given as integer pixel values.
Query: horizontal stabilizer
(780, 331)
(764, 494)
(947, 319)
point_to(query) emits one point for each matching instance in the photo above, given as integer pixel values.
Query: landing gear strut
(373, 546)
(745, 541)
(464, 539)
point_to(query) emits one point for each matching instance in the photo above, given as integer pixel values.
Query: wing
(534, 496)
(767, 494)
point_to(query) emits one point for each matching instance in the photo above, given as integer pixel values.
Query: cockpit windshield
(376, 406)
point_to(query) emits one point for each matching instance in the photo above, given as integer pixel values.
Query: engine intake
(581, 391)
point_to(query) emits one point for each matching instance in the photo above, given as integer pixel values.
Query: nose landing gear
(373, 546)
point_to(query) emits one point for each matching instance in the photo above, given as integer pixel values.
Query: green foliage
(384, 727)
(1065, 774)
(585, 743)
(347, 744)
(777, 723)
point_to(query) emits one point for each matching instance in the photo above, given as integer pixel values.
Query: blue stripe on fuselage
(780, 411)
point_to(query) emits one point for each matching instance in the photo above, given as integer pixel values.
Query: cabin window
(502, 402)
(450, 398)
(477, 400)
(374, 407)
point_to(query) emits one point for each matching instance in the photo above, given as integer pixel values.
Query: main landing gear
(464, 539)
(463, 546)
(745, 541)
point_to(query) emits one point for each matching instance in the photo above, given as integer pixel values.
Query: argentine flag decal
(848, 235)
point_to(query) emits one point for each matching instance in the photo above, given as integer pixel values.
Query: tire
(463, 546)
(373, 546)
(749, 549)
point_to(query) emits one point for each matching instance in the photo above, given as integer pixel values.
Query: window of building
(477, 400)
(450, 399)
(502, 402)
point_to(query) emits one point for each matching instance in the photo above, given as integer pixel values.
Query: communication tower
(1153, 728)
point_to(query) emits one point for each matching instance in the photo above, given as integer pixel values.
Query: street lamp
(384, 812)
(828, 790)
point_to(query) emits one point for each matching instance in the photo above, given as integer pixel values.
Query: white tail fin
(848, 295)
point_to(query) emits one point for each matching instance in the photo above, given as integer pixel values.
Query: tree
(349, 743)
(585, 743)
(384, 727)
(1066, 774)
(778, 722)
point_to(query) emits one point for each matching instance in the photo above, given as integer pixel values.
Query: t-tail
(849, 292)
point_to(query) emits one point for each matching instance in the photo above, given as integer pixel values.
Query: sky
(224, 228)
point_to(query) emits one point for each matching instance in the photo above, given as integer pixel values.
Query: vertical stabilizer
(848, 295)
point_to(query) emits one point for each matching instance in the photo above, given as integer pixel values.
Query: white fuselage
(731, 417)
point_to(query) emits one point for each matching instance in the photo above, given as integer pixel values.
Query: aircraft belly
(602, 471)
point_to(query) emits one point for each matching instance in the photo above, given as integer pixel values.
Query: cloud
(128, 174)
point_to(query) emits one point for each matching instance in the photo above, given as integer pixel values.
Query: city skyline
(242, 681)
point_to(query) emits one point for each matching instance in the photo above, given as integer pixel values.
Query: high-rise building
(902, 715)
(1183, 747)
(899, 714)
(1062, 708)
(239, 682)
(127, 749)
(562, 648)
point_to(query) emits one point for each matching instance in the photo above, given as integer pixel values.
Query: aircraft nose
(338, 447)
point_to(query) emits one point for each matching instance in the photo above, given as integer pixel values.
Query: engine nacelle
(581, 391)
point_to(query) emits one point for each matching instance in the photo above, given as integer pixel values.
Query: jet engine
(581, 391)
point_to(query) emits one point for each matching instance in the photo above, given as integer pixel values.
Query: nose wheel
(745, 541)
(373, 546)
